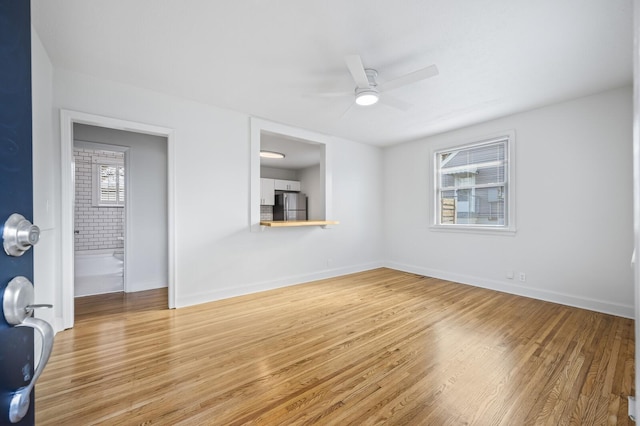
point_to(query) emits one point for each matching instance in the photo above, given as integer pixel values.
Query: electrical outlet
(509, 275)
(523, 277)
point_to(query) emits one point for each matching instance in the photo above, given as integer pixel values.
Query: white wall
(273, 173)
(310, 185)
(146, 228)
(573, 207)
(216, 254)
(574, 217)
(46, 182)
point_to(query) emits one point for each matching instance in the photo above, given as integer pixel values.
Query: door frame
(636, 200)
(67, 119)
(127, 207)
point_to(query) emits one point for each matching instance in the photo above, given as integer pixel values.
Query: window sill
(473, 230)
(108, 205)
(295, 223)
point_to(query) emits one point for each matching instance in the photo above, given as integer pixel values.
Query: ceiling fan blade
(395, 102)
(346, 111)
(354, 63)
(328, 94)
(421, 74)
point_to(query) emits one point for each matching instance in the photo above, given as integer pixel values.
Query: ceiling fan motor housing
(367, 91)
(368, 95)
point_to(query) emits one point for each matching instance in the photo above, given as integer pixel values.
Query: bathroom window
(108, 183)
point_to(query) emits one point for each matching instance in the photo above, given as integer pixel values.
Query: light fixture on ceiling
(271, 154)
(367, 96)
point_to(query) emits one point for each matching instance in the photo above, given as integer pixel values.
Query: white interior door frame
(67, 120)
(636, 196)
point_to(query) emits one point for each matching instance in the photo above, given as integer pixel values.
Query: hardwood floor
(378, 347)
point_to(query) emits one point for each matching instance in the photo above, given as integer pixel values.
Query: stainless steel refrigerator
(290, 206)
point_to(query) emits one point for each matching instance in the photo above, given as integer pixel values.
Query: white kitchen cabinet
(267, 194)
(287, 185)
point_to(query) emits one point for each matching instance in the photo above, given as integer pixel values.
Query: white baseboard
(249, 288)
(626, 311)
(151, 285)
(58, 325)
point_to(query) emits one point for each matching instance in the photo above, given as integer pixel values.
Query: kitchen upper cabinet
(267, 192)
(287, 185)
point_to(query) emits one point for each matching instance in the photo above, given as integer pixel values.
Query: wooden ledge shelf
(292, 223)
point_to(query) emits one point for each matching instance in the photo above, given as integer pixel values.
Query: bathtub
(98, 272)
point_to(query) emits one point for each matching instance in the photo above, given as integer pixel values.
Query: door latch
(19, 235)
(17, 303)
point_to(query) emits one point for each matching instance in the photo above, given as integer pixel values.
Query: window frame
(509, 186)
(97, 163)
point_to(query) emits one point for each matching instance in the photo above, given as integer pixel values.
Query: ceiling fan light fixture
(271, 154)
(366, 97)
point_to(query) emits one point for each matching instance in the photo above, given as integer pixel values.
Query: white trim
(510, 186)
(473, 229)
(150, 285)
(67, 217)
(626, 311)
(67, 120)
(249, 288)
(97, 146)
(636, 188)
(259, 125)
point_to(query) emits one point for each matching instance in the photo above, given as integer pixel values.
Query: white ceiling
(299, 153)
(266, 57)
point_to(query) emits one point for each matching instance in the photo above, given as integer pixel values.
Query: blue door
(16, 192)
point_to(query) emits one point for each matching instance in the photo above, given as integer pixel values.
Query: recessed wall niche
(307, 160)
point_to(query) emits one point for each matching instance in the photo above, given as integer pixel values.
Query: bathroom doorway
(99, 218)
(149, 237)
(121, 217)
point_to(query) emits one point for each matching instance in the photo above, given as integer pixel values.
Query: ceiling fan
(368, 91)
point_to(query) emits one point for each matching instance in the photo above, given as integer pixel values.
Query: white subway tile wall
(96, 228)
(266, 212)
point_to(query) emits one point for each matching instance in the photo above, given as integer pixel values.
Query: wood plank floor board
(377, 347)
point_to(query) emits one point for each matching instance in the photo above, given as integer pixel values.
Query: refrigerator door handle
(286, 207)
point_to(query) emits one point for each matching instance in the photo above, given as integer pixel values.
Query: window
(473, 186)
(108, 182)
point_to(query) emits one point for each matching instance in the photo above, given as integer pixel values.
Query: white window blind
(108, 182)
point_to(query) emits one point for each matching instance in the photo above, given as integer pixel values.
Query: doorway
(109, 131)
(99, 217)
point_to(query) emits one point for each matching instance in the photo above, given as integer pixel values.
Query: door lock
(19, 235)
